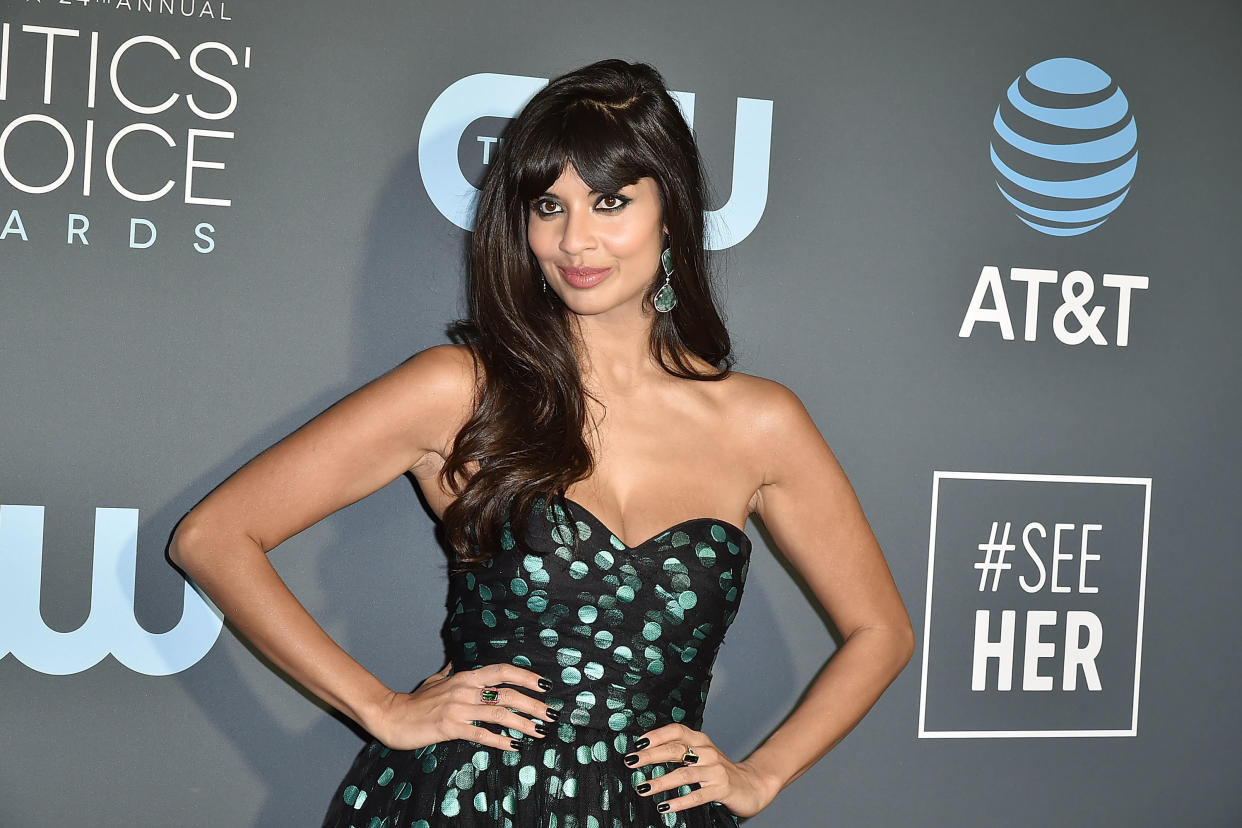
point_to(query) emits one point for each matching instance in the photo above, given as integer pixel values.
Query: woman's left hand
(741, 788)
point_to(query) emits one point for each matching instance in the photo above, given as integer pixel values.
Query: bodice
(627, 635)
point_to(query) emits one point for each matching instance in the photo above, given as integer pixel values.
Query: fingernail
(631, 758)
(516, 744)
(541, 728)
(544, 684)
(663, 807)
(642, 743)
(643, 788)
(553, 714)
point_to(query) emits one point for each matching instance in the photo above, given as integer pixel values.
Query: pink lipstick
(584, 277)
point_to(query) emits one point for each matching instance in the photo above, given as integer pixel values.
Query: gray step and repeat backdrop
(993, 246)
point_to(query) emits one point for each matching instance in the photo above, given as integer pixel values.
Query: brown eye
(612, 202)
(545, 207)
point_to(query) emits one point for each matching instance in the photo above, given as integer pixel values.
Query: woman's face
(598, 251)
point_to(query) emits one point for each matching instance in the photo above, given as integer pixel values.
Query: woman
(592, 458)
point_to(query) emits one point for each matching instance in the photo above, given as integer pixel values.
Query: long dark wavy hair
(615, 122)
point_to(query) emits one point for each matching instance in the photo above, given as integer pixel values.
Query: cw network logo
(1065, 146)
(490, 95)
(111, 626)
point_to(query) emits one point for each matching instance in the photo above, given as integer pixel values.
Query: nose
(578, 234)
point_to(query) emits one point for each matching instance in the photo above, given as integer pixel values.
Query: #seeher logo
(1065, 146)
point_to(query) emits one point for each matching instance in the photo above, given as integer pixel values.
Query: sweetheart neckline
(725, 524)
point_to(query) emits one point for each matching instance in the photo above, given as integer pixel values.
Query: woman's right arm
(352, 449)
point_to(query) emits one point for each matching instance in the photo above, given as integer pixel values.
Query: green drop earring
(665, 298)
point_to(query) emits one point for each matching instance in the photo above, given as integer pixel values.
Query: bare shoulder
(448, 369)
(448, 374)
(763, 405)
(770, 427)
(428, 396)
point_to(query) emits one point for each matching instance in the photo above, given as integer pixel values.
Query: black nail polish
(553, 714)
(544, 684)
(631, 758)
(541, 728)
(643, 788)
(663, 807)
(642, 743)
(515, 743)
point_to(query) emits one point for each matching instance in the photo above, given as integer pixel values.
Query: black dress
(628, 636)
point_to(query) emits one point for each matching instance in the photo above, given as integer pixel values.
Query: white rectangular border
(1145, 482)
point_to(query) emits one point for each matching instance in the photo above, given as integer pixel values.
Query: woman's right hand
(446, 706)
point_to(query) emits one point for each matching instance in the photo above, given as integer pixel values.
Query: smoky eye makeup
(538, 205)
(618, 200)
(606, 203)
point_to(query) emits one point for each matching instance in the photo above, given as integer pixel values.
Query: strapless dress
(628, 636)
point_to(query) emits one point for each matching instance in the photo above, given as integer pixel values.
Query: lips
(584, 277)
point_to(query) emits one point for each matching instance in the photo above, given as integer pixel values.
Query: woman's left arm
(812, 513)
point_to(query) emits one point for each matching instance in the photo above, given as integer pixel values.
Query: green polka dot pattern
(628, 636)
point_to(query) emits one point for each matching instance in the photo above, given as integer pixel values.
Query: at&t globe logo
(1065, 146)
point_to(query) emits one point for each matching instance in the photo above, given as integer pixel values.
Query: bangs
(605, 152)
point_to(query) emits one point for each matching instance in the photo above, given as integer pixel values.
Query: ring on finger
(489, 695)
(689, 757)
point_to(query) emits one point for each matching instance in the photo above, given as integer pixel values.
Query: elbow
(899, 648)
(906, 643)
(201, 537)
(891, 640)
(899, 643)
(903, 639)
(187, 540)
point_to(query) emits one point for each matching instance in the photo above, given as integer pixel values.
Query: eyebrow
(550, 194)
